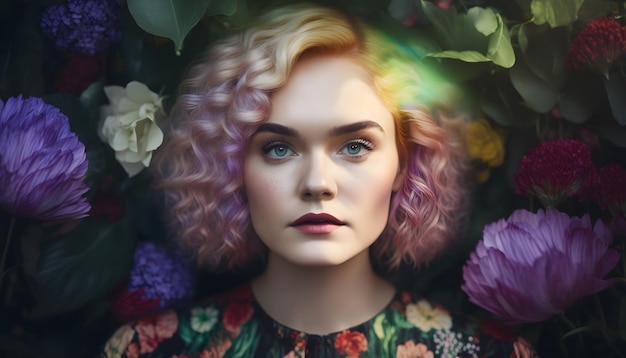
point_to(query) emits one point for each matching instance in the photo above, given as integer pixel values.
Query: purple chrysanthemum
(161, 274)
(532, 266)
(83, 26)
(42, 163)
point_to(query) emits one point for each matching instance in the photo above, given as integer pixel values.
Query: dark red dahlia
(554, 170)
(599, 45)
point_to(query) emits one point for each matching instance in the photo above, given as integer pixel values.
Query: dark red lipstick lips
(317, 219)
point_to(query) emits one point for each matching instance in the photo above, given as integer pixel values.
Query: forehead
(329, 88)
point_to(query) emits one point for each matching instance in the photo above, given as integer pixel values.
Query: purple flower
(83, 26)
(42, 163)
(161, 274)
(532, 266)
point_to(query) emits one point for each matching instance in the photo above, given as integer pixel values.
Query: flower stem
(5, 252)
(573, 330)
(623, 259)
(599, 309)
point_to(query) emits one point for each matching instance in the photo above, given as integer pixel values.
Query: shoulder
(210, 326)
(428, 328)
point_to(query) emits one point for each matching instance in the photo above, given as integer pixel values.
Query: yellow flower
(426, 317)
(486, 147)
(129, 125)
(118, 343)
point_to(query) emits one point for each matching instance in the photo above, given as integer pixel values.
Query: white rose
(129, 125)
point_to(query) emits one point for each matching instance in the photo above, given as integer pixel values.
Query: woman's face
(320, 172)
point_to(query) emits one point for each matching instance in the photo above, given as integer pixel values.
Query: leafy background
(507, 56)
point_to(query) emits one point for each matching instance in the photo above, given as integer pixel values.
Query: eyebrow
(336, 131)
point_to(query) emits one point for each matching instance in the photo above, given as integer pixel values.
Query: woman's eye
(277, 151)
(355, 148)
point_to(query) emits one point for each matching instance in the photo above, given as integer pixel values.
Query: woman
(303, 142)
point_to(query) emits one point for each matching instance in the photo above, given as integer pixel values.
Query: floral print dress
(234, 325)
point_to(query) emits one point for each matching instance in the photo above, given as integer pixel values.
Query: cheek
(264, 193)
(371, 192)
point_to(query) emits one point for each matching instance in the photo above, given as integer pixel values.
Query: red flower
(523, 349)
(236, 314)
(498, 330)
(127, 305)
(241, 293)
(554, 170)
(107, 202)
(601, 44)
(350, 343)
(132, 351)
(443, 4)
(153, 330)
(78, 73)
(608, 188)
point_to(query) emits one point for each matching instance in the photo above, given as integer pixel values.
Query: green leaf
(238, 18)
(14, 347)
(401, 9)
(582, 96)
(545, 54)
(82, 265)
(577, 330)
(21, 56)
(479, 35)
(615, 86)
(500, 49)
(519, 32)
(221, 7)
(168, 18)
(555, 12)
(467, 56)
(615, 134)
(146, 210)
(500, 102)
(537, 94)
(486, 22)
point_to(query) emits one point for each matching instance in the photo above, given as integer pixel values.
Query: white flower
(203, 319)
(426, 317)
(129, 125)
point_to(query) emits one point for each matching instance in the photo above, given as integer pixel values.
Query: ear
(400, 176)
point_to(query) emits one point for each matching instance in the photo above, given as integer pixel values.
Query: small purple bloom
(161, 274)
(83, 26)
(532, 266)
(42, 163)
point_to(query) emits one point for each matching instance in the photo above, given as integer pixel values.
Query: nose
(318, 182)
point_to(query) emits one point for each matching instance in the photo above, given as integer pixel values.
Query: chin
(323, 258)
(319, 261)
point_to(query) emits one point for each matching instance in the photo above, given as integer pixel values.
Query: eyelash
(366, 144)
(266, 148)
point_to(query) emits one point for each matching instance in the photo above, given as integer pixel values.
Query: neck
(324, 299)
